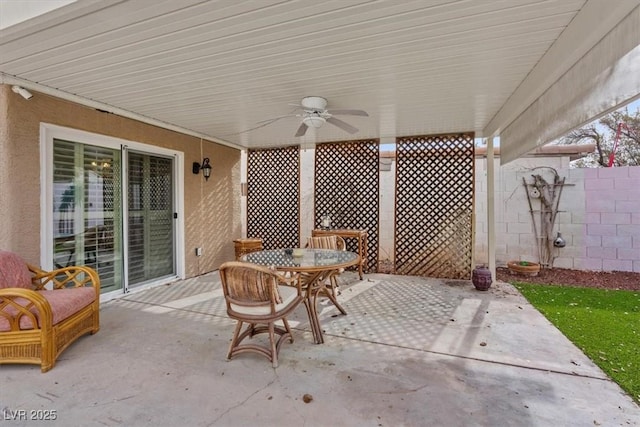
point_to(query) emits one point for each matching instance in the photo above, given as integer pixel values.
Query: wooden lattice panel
(346, 188)
(434, 206)
(273, 194)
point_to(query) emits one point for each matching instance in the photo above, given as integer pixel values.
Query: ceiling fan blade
(342, 125)
(302, 129)
(349, 112)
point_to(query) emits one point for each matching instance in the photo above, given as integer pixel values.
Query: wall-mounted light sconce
(205, 167)
(22, 92)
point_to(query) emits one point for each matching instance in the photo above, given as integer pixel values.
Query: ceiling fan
(315, 114)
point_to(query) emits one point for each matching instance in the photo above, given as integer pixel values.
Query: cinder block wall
(599, 215)
(612, 219)
(515, 237)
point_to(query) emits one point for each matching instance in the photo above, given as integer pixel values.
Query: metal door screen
(273, 193)
(347, 187)
(434, 206)
(151, 223)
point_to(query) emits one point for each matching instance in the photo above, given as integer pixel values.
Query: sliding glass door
(150, 225)
(112, 208)
(87, 220)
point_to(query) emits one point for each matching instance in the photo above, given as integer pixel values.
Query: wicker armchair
(254, 296)
(38, 323)
(331, 289)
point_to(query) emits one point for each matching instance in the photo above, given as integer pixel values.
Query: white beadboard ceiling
(218, 68)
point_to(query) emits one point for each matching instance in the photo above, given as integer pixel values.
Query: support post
(491, 217)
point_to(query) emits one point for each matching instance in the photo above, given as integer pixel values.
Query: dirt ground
(563, 276)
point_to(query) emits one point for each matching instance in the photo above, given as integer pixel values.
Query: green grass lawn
(604, 324)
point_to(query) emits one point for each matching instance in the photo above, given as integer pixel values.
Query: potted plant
(524, 268)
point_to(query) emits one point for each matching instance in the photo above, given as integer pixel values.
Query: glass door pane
(151, 253)
(87, 220)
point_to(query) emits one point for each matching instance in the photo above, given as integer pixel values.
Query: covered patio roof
(220, 69)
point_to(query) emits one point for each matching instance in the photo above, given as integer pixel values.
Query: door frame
(49, 132)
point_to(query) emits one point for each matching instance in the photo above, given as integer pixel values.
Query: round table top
(311, 259)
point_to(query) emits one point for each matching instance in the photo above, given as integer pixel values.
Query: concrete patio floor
(411, 352)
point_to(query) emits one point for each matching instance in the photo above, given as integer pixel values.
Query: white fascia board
(596, 19)
(603, 79)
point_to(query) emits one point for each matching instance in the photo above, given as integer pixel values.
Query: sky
(15, 11)
(634, 106)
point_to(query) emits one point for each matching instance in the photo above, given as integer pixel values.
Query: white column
(243, 191)
(307, 177)
(491, 217)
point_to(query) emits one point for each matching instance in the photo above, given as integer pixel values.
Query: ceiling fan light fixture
(314, 121)
(314, 103)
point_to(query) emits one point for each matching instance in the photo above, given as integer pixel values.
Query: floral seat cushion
(14, 272)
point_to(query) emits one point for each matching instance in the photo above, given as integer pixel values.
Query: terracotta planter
(524, 268)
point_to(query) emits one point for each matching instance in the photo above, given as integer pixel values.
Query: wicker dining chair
(259, 297)
(331, 289)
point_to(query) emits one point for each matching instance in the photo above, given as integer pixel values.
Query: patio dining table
(314, 265)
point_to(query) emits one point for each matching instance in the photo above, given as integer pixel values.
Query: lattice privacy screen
(273, 194)
(347, 187)
(434, 205)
